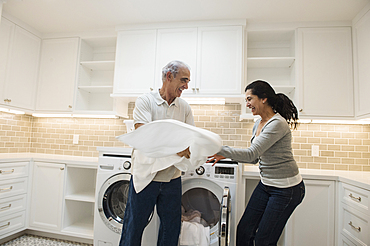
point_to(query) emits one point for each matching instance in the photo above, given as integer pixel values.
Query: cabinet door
(177, 44)
(312, 222)
(20, 86)
(325, 72)
(362, 64)
(6, 38)
(135, 62)
(58, 70)
(219, 64)
(47, 196)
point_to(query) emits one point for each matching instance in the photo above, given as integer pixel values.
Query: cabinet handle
(6, 189)
(301, 110)
(355, 198)
(6, 207)
(7, 171)
(354, 227)
(69, 106)
(9, 100)
(151, 89)
(62, 168)
(198, 89)
(5, 100)
(193, 89)
(5, 226)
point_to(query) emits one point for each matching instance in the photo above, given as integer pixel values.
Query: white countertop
(67, 159)
(357, 178)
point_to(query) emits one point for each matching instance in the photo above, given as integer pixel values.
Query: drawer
(12, 222)
(13, 170)
(12, 204)
(345, 241)
(355, 197)
(13, 187)
(355, 225)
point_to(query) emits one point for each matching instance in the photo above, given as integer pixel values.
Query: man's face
(180, 82)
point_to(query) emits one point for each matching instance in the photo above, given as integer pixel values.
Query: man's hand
(185, 153)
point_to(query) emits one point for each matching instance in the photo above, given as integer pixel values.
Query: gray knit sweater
(272, 149)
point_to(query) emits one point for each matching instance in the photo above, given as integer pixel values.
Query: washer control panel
(222, 171)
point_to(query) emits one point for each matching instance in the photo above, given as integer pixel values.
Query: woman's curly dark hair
(279, 102)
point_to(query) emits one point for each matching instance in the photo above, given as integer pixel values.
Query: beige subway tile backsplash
(342, 147)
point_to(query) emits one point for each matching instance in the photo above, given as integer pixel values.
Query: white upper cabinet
(325, 72)
(177, 44)
(57, 77)
(214, 54)
(220, 60)
(271, 57)
(95, 77)
(361, 37)
(135, 62)
(19, 56)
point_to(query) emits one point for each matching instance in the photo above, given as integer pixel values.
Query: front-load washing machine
(112, 185)
(211, 190)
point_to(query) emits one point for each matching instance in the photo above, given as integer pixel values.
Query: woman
(281, 188)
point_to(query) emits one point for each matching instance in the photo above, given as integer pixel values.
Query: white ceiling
(54, 16)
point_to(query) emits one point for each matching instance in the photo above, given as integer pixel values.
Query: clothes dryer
(211, 190)
(112, 184)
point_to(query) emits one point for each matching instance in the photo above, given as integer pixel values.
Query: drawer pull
(7, 171)
(6, 207)
(6, 189)
(355, 198)
(5, 226)
(354, 227)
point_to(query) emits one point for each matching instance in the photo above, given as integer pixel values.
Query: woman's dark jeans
(267, 212)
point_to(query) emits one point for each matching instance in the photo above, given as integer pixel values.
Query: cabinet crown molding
(159, 25)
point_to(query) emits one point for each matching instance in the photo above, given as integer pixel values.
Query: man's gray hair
(173, 67)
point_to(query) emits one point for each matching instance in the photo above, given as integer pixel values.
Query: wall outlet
(75, 139)
(315, 150)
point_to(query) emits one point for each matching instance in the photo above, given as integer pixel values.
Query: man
(165, 190)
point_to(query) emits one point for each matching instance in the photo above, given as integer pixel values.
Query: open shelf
(96, 89)
(274, 62)
(79, 218)
(98, 65)
(87, 196)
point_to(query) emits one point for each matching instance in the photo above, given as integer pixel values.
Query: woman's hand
(215, 158)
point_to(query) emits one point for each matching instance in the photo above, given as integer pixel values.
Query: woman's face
(254, 103)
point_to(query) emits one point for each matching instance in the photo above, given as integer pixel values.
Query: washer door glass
(112, 201)
(202, 203)
(115, 200)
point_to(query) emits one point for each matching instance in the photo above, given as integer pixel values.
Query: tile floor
(31, 240)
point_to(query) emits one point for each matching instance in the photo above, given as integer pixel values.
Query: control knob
(126, 165)
(200, 170)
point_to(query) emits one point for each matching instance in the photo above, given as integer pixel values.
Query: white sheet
(157, 143)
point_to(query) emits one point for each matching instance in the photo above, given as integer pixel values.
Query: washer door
(224, 227)
(112, 200)
(206, 197)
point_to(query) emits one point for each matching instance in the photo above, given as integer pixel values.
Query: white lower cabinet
(312, 223)
(63, 199)
(47, 196)
(13, 197)
(354, 215)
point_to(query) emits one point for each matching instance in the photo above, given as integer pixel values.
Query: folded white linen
(194, 234)
(157, 143)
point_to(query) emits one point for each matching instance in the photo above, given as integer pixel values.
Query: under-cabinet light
(349, 122)
(100, 116)
(11, 111)
(205, 100)
(52, 115)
